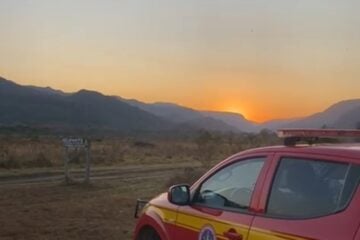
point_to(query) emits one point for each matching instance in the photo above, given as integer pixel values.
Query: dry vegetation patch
(103, 210)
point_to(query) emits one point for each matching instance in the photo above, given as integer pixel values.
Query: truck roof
(340, 150)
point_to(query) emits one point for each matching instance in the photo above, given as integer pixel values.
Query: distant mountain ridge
(184, 115)
(49, 90)
(344, 114)
(37, 106)
(170, 111)
(84, 109)
(235, 120)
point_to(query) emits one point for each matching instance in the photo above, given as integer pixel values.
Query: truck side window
(232, 186)
(304, 188)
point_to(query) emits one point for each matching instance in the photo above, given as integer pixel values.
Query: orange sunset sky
(264, 59)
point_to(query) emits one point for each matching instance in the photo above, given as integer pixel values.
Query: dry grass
(47, 152)
(105, 209)
(18, 153)
(102, 211)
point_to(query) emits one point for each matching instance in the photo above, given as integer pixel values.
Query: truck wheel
(148, 233)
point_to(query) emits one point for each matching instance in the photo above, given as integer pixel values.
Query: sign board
(75, 142)
(72, 144)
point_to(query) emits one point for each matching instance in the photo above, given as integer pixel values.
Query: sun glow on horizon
(264, 61)
(233, 106)
(234, 109)
(247, 113)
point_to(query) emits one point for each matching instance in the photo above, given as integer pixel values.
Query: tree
(207, 147)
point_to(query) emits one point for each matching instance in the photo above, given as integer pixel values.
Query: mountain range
(47, 107)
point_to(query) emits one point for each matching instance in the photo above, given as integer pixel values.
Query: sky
(265, 59)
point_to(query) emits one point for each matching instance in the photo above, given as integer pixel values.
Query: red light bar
(316, 133)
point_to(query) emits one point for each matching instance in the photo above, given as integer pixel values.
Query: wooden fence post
(88, 162)
(66, 166)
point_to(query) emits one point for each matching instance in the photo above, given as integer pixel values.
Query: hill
(46, 107)
(23, 105)
(344, 114)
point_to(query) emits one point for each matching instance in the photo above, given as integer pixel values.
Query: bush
(209, 147)
(9, 162)
(142, 144)
(188, 176)
(39, 161)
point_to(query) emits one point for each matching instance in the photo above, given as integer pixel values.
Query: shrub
(142, 144)
(188, 176)
(9, 162)
(40, 161)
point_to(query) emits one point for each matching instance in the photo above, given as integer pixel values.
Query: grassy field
(24, 152)
(103, 210)
(20, 153)
(47, 211)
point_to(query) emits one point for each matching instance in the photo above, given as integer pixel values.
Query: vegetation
(204, 148)
(103, 210)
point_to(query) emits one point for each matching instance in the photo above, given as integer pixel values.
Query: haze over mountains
(46, 107)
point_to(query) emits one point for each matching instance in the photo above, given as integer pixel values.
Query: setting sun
(265, 62)
(234, 109)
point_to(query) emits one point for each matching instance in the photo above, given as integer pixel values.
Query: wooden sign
(75, 142)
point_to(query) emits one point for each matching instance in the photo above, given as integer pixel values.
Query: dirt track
(127, 172)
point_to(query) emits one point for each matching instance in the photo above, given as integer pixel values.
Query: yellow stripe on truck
(167, 215)
(196, 223)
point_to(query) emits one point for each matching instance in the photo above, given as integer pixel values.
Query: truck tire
(148, 233)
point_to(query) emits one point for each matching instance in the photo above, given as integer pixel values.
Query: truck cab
(307, 191)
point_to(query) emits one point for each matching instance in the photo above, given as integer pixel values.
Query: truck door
(223, 203)
(309, 197)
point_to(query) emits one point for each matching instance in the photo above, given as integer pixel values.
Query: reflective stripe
(196, 223)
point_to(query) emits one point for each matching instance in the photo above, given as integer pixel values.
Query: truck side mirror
(179, 194)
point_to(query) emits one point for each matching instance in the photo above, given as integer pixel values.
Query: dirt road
(126, 172)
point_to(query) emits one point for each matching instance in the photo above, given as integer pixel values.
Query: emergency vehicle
(291, 192)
